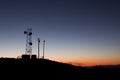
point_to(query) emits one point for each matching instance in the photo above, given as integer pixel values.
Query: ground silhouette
(44, 69)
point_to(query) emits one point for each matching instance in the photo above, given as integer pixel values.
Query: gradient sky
(83, 32)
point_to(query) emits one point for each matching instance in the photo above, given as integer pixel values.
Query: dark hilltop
(44, 69)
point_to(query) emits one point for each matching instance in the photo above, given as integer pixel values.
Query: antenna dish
(25, 32)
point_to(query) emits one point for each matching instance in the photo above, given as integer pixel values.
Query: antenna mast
(28, 41)
(38, 48)
(43, 48)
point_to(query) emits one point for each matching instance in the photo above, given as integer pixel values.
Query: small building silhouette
(25, 57)
(33, 57)
(28, 57)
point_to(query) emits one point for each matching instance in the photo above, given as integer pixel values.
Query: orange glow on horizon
(92, 62)
(83, 61)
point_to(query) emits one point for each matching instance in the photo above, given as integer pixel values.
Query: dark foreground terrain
(43, 69)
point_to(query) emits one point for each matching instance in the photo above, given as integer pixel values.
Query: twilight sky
(76, 31)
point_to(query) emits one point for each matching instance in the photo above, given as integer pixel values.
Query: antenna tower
(28, 41)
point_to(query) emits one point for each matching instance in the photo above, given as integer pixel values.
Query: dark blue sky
(83, 28)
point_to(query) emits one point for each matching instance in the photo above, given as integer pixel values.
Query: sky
(81, 32)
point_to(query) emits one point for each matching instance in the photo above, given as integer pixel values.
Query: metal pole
(43, 48)
(38, 48)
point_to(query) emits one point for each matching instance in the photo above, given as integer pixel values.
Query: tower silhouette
(28, 50)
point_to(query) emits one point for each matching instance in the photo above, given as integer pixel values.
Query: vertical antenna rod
(38, 48)
(43, 48)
